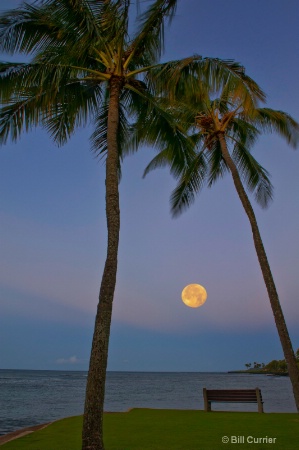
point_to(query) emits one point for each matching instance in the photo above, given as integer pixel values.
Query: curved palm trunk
(266, 271)
(92, 435)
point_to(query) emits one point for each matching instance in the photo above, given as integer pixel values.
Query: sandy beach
(22, 432)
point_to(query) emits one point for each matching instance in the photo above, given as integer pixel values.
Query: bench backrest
(232, 395)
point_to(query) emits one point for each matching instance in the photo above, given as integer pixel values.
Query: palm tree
(84, 67)
(224, 132)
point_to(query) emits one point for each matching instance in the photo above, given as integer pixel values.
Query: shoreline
(21, 432)
(260, 372)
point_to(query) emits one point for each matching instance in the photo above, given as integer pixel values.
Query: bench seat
(232, 396)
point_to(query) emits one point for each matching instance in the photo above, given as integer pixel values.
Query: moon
(194, 295)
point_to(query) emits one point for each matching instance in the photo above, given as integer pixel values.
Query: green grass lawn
(154, 429)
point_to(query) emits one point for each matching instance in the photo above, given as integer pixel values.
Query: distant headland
(274, 367)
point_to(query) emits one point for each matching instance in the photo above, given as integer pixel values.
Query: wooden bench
(233, 396)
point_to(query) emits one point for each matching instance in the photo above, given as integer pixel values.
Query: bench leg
(206, 402)
(259, 401)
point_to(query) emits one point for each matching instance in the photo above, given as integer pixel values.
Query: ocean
(32, 397)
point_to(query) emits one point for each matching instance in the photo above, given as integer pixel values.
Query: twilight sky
(53, 229)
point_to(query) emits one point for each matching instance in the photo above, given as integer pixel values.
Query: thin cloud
(70, 360)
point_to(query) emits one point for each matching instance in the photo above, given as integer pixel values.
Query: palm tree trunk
(266, 271)
(92, 435)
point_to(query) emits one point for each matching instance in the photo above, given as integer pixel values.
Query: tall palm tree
(224, 131)
(85, 67)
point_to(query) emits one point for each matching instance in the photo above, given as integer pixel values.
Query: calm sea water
(31, 397)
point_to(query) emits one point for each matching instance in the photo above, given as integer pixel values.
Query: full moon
(194, 295)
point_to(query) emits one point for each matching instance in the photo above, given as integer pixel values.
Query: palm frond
(32, 28)
(19, 116)
(191, 182)
(60, 112)
(76, 107)
(98, 138)
(163, 159)
(149, 38)
(255, 177)
(193, 78)
(177, 79)
(217, 165)
(242, 131)
(177, 155)
(12, 76)
(158, 125)
(269, 120)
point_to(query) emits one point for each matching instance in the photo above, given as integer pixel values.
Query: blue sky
(53, 229)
